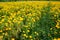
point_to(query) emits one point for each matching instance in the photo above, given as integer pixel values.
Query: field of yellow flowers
(30, 20)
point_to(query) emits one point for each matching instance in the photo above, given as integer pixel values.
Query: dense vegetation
(30, 21)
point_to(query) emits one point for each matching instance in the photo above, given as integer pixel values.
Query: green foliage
(46, 24)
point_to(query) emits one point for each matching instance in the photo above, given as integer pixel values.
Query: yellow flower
(0, 30)
(6, 24)
(21, 18)
(2, 20)
(24, 35)
(10, 18)
(30, 36)
(3, 33)
(51, 28)
(1, 36)
(31, 39)
(29, 23)
(29, 14)
(37, 18)
(13, 39)
(58, 38)
(15, 20)
(3, 16)
(55, 15)
(33, 19)
(9, 28)
(36, 33)
(23, 31)
(26, 26)
(18, 12)
(58, 20)
(9, 21)
(13, 16)
(57, 23)
(18, 22)
(6, 29)
(28, 30)
(57, 26)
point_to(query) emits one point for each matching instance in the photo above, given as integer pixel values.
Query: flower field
(30, 20)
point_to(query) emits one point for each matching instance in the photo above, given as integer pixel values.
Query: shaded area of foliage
(47, 24)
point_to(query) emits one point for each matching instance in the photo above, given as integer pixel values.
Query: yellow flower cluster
(56, 39)
(58, 24)
(15, 15)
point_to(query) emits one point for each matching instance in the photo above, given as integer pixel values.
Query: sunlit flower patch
(30, 20)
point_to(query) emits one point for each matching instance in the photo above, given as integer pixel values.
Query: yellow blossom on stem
(28, 30)
(24, 35)
(55, 39)
(12, 38)
(30, 36)
(21, 19)
(36, 33)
